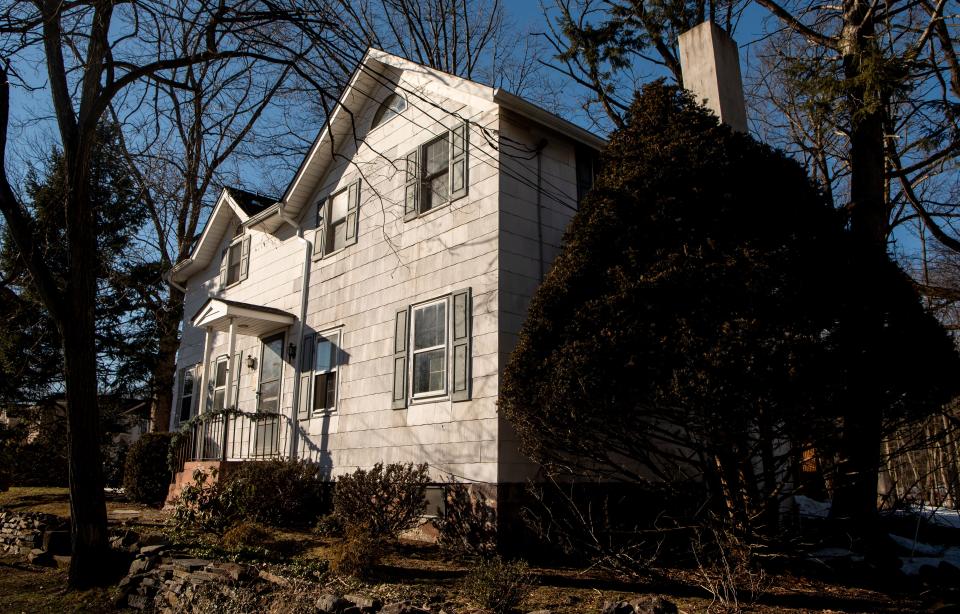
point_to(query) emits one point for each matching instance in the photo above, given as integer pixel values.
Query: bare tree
(92, 52)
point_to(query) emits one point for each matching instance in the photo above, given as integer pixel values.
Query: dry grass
(415, 571)
(56, 501)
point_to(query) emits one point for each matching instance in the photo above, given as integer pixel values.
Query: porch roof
(250, 319)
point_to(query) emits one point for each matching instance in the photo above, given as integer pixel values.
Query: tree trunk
(164, 375)
(88, 512)
(856, 495)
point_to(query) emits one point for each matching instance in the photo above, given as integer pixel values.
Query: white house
(366, 315)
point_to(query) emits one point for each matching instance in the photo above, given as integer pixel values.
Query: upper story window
(235, 261)
(391, 107)
(337, 221)
(436, 172)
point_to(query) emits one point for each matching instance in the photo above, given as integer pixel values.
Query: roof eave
(545, 118)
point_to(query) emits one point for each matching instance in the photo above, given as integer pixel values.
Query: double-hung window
(430, 349)
(436, 172)
(319, 374)
(337, 221)
(235, 260)
(433, 360)
(325, 371)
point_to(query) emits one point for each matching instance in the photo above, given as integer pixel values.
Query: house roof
(218, 313)
(377, 69)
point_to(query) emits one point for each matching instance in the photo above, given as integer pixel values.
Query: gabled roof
(233, 204)
(378, 70)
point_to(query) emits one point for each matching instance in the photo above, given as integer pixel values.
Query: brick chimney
(711, 70)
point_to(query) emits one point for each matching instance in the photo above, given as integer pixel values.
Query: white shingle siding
(486, 241)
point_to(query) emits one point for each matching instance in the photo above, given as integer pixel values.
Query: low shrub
(205, 504)
(358, 553)
(146, 478)
(498, 585)
(468, 526)
(245, 535)
(328, 525)
(280, 493)
(388, 500)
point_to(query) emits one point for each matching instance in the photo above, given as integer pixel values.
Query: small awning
(250, 319)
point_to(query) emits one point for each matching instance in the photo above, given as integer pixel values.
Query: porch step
(185, 477)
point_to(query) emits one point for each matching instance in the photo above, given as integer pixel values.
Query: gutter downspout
(168, 277)
(305, 281)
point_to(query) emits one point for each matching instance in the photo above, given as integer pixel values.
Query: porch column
(202, 406)
(230, 402)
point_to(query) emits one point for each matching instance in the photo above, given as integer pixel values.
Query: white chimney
(711, 71)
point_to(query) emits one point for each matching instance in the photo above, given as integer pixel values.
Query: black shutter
(411, 202)
(353, 212)
(224, 256)
(399, 400)
(306, 372)
(244, 258)
(459, 142)
(460, 346)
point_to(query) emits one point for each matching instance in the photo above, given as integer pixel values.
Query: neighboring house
(366, 315)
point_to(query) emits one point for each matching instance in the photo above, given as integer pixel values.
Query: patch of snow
(941, 516)
(911, 566)
(811, 508)
(918, 548)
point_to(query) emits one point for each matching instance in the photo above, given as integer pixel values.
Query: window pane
(221, 379)
(338, 206)
(338, 236)
(325, 354)
(319, 390)
(218, 400)
(429, 369)
(331, 390)
(429, 326)
(233, 264)
(272, 360)
(438, 190)
(187, 382)
(437, 157)
(185, 403)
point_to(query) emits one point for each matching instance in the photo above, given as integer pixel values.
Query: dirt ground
(412, 569)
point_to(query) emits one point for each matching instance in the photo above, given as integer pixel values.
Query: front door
(266, 432)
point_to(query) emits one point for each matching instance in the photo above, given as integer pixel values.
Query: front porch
(224, 440)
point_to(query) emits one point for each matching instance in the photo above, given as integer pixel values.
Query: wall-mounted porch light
(251, 363)
(291, 351)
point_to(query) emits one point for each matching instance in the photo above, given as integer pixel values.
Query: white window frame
(213, 380)
(427, 178)
(386, 109)
(335, 337)
(192, 370)
(328, 231)
(445, 346)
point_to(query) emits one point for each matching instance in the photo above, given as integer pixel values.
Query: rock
(137, 602)
(331, 604)
(140, 565)
(154, 549)
(61, 561)
(154, 539)
(402, 607)
(275, 579)
(190, 564)
(641, 605)
(57, 542)
(364, 603)
(39, 557)
(233, 571)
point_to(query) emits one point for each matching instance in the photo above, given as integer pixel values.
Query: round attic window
(391, 107)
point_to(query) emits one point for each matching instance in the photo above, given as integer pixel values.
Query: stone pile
(38, 536)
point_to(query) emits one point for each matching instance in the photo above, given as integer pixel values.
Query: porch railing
(234, 437)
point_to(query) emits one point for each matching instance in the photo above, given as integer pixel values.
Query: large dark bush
(707, 306)
(280, 493)
(277, 493)
(146, 477)
(388, 500)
